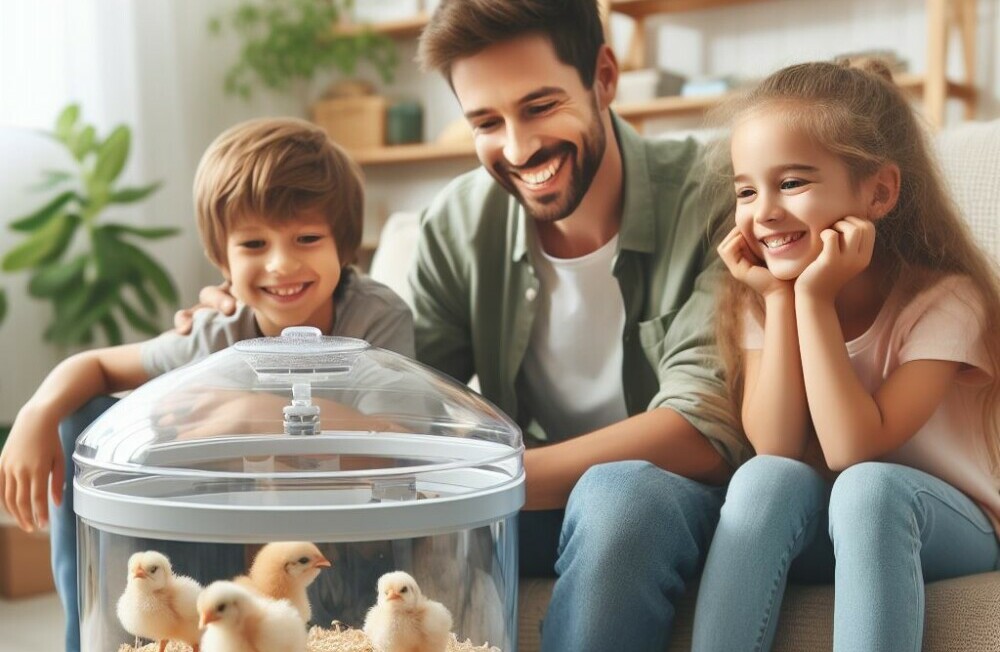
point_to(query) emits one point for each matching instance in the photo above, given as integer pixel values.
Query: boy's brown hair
(462, 28)
(275, 168)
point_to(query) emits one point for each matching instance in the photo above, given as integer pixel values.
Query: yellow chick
(157, 604)
(283, 571)
(404, 620)
(235, 619)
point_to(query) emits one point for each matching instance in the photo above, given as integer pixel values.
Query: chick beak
(322, 562)
(393, 595)
(206, 618)
(140, 574)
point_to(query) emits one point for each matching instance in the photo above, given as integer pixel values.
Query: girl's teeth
(771, 243)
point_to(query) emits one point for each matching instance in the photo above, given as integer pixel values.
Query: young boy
(279, 209)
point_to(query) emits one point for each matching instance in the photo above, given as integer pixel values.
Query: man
(570, 275)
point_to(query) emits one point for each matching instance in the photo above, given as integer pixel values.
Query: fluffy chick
(237, 620)
(404, 620)
(283, 571)
(157, 604)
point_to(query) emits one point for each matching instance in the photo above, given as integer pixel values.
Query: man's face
(537, 129)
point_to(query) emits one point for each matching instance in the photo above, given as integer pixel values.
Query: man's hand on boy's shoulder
(216, 297)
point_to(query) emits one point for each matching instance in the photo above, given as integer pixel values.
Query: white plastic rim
(471, 483)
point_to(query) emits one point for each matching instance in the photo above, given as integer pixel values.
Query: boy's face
(286, 272)
(536, 127)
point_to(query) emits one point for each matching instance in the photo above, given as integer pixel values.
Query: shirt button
(530, 294)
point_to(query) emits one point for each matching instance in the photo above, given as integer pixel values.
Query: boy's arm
(33, 450)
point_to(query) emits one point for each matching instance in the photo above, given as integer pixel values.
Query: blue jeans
(632, 539)
(889, 528)
(62, 520)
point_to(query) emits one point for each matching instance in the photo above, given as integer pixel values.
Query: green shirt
(474, 289)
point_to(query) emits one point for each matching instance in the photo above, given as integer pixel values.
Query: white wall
(151, 63)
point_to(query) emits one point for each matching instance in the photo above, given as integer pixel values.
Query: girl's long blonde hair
(855, 112)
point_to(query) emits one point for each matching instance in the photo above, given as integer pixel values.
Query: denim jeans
(879, 532)
(62, 520)
(632, 538)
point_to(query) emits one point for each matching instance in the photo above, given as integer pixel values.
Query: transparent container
(379, 461)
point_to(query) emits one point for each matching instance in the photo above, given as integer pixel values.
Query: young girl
(861, 327)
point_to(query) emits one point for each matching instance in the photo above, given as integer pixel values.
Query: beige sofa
(962, 614)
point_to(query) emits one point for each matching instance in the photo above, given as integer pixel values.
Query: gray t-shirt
(366, 309)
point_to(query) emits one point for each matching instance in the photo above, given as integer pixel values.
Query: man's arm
(33, 451)
(661, 436)
(440, 302)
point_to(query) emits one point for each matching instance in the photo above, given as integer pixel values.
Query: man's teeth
(778, 240)
(543, 175)
(287, 290)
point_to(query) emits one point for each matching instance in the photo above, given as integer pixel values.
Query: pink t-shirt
(944, 322)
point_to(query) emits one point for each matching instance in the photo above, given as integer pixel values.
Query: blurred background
(154, 81)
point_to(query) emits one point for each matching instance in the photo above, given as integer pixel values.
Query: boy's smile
(285, 271)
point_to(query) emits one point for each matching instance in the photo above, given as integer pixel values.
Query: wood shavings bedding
(336, 639)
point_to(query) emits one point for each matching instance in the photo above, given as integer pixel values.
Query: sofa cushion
(970, 160)
(961, 614)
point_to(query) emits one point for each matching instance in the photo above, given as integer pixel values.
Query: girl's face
(788, 190)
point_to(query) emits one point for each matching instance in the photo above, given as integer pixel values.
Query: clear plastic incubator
(300, 471)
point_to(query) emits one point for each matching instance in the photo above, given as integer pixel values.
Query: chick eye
(303, 560)
(404, 589)
(153, 569)
(221, 608)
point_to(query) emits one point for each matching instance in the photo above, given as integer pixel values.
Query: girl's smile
(788, 191)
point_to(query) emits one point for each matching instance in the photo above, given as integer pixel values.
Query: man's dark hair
(462, 28)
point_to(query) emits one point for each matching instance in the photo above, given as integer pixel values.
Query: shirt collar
(638, 231)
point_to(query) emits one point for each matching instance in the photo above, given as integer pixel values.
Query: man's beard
(583, 169)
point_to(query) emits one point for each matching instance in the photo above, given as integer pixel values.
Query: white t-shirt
(943, 322)
(573, 364)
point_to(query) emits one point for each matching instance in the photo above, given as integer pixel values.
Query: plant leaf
(150, 270)
(43, 246)
(51, 279)
(150, 233)
(52, 178)
(41, 217)
(111, 264)
(111, 330)
(129, 195)
(66, 121)
(99, 302)
(112, 154)
(136, 321)
(81, 144)
(145, 298)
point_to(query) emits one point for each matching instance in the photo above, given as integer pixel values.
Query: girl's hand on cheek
(847, 251)
(746, 267)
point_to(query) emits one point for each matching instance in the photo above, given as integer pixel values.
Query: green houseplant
(287, 40)
(92, 270)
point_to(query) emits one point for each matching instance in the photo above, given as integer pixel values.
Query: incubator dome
(378, 460)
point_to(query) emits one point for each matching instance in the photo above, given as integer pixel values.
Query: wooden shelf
(640, 9)
(661, 107)
(405, 28)
(418, 153)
